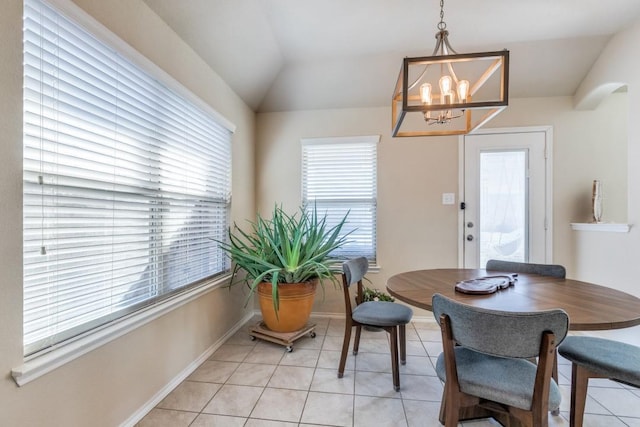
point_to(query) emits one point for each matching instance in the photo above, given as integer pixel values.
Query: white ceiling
(281, 55)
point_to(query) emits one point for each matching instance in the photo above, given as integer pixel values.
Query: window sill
(602, 226)
(39, 365)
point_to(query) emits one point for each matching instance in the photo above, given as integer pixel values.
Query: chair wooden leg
(554, 375)
(356, 341)
(395, 369)
(449, 408)
(443, 406)
(579, 383)
(402, 336)
(345, 349)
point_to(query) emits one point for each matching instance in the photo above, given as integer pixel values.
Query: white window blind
(126, 183)
(339, 176)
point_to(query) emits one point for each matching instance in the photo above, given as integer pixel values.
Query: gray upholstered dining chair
(486, 363)
(593, 357)
(553, 270)
(390, 316)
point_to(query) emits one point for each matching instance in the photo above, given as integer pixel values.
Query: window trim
(37, 364)
(45, 361)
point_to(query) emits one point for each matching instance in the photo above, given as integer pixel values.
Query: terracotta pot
(296, 302)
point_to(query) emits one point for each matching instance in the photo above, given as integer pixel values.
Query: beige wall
(612, 258)
(414, 229)
(106, 386)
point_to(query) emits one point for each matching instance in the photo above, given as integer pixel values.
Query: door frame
(548, 210)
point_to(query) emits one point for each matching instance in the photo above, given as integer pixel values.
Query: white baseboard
(178, 379)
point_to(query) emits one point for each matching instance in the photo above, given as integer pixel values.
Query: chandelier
(449, 93)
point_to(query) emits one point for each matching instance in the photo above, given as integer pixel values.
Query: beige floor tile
(280, 405)
(433, 335)
(433, 348)
(242, 337)
(213, 371)
(330, 359)
(334, 342)
(412, 334)
(376, 384)
(293, 377)
(321, 323)
(254, 374)
(419, 413)
(253, 422)
(417, 387)
(231, 353)
(558, 421)
(234, 400)
(307, 342)
(301, 357)
(604, 382)
(416, 348)
(326, 380)
(374, 362)
(335, 327)
(379, 344)
(167, 418)
(190, 396)
(564, 375)
(259, 384)
(631, 422)
(593, 420)
(417, 365)
(266, 353)
(617, 400)
(591, 406)
(379, 412)
(328, 408)
(208, 420)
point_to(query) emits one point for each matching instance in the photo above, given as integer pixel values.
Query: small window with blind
(339, 178)
(127, 181)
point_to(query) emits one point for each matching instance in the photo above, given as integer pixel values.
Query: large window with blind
(126, 181)
(339, 177)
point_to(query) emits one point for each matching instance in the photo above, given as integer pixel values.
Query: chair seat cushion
(382, 313)
(612, 359)
(509, 381)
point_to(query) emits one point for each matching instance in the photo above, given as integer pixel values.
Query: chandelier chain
(442, 25)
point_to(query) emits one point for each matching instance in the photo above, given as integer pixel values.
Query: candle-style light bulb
(445, 90)
(463, 90)
(425, 93)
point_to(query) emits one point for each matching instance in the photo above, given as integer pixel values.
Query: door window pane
(503, 206)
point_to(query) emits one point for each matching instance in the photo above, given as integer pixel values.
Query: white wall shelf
(602, 226)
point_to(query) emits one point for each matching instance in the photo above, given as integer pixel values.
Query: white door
(506, 197)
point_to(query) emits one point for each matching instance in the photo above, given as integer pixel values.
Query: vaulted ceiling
(281, 55)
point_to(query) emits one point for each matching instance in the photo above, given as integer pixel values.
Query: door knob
(469, 237)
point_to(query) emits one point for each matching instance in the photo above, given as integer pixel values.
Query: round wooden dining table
(590, 307)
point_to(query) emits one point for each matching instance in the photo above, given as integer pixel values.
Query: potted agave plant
(283, 259)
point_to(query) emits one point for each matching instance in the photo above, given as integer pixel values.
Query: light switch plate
(448, 198)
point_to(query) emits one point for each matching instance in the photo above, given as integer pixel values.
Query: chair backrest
(353, 272)
(553, 270)
(500, 333)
